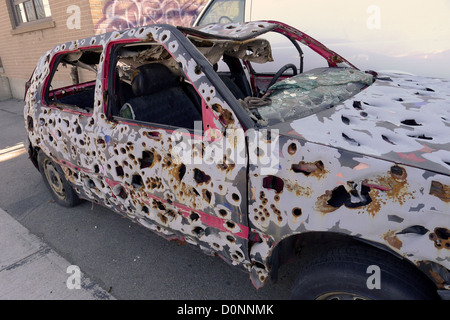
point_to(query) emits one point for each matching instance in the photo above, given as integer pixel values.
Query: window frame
(56, 60)
(37, 23)
(111, 63)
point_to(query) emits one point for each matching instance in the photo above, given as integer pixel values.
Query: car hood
(400, 118)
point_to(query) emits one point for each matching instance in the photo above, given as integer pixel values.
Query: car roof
(231, 31)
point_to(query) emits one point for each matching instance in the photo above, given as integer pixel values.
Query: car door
(67, 110)
(164, 141)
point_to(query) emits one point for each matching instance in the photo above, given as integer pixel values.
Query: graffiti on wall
(124, 14)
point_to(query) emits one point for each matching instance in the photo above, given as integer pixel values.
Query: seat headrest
(151, 78)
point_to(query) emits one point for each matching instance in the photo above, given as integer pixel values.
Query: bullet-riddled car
(175, 128)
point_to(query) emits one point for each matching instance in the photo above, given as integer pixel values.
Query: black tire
(56, 182)
(342, 273)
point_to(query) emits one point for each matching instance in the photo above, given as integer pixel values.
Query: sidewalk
(31, 270)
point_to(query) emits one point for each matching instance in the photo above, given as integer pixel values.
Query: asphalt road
(117, 254)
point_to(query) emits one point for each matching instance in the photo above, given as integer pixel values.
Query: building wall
(21, 48)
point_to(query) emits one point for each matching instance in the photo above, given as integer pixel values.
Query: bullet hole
(226, 118)
(230, 224)
(442, 233)
(440, 236)
(197, 70)
(216, 107)
(159, 205)
(357, 105)
(146, 160)
(429, 89)
(297, 212)
(292, 149)
(237, 255)
(440, 190)
(200, 176)
(30, 123)
(350, 140)
(307, 168)
(120, 192)
(398, 172)
(414, 229)
(231, 239)
(50, 138)
(194, 216)
(223, 212)
(387, 139)
(421, 137)
(345, 120)
(207, 195)
(136, 181)
(96, 168)
(78, 130)
(122, 150)
(153, 135)
(163, 218)
(90, 183)
(198, 231)
(411, 122)
(235, 197)
(354, 199)
(119, 171)
(181, 171)
(273, 182)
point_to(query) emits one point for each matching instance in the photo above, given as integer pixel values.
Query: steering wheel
(225, 18)
(281, 71)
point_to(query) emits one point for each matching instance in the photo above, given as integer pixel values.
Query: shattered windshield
(307, 93)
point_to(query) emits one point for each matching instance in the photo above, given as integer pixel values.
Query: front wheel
(55, 181)
(359, 272)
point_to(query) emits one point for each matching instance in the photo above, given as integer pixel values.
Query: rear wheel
(55, 181)
(359, 272)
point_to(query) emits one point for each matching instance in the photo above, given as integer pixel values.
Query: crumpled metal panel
(232, 31)
(318, 188)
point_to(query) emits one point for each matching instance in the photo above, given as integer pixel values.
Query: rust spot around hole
(292, 149)
(392, 239)
(316, 169)
(440, 190)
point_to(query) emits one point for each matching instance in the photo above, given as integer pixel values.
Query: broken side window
(73, 78)
(150, 87)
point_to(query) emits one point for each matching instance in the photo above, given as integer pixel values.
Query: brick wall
(19, 51)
